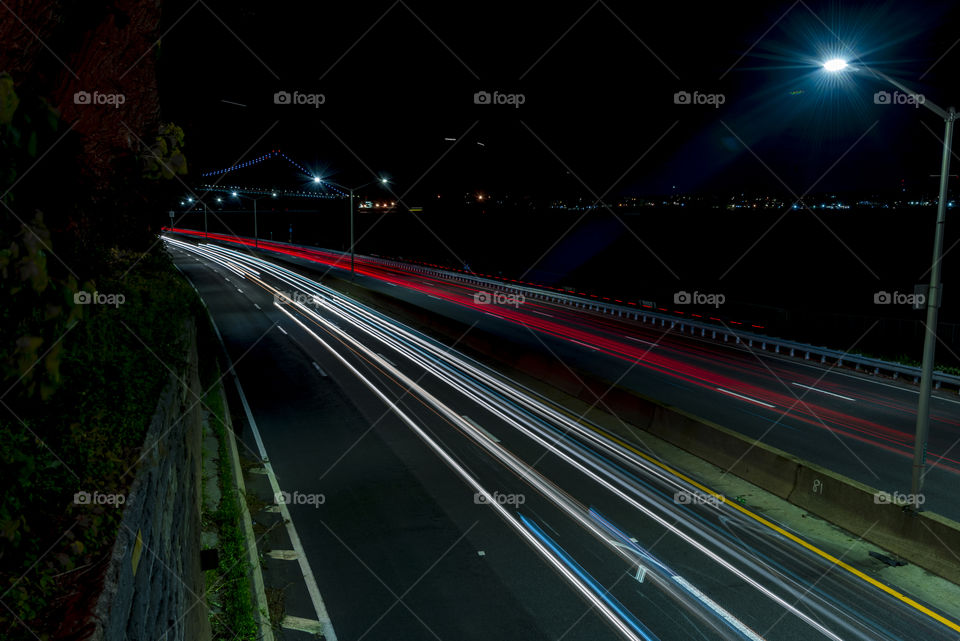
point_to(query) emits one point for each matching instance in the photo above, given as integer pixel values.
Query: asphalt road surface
(458, 505)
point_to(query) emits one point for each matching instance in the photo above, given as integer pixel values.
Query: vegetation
(229, 585)
(79, 379)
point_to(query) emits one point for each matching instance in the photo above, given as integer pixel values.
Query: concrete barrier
(764, 466)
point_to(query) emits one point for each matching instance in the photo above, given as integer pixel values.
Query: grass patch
(229, 585)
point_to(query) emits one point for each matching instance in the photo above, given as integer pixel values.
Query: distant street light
(933, 293)
(382, 181)
(256, 242)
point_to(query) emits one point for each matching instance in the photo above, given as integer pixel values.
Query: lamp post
(382, 181)
(933, 293)
(238, 196)
(190, 199)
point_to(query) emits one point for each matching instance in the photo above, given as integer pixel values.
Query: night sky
(598, 83)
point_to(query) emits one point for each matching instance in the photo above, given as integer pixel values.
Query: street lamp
(190, 199)
(256, 242)
(206, 236)
(933, 293)
(382, 181)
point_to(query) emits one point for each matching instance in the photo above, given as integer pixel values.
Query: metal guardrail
(646, 313)
(721, 333)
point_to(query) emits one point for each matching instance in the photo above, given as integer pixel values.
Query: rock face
(96, 62)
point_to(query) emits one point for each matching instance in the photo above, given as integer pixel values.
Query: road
(458, 504)
(849, 422)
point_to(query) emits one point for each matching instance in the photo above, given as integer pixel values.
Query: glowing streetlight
(835, 64)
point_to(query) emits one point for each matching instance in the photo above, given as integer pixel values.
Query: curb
(257, 584)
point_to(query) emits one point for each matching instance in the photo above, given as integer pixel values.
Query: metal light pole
(930, 330)
(256, 236)
(382, 181)
(933, 293)
(352, 269)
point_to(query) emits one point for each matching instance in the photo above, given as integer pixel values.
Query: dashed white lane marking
(281, 329)
(823, 391)
(299, 624)
(480, 427)
(257, 306)
(746, 398)
(320, 371)
(590, 347)
(386, 359)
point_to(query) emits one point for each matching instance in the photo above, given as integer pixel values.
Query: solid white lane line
(480, 427)
(746, 398)
(814, 389)
(312, 589)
